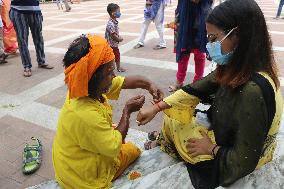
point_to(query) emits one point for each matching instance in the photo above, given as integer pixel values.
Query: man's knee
(131, 150)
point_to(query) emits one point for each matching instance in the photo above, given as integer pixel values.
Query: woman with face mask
(246, 102)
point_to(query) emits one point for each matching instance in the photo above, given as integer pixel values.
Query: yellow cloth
(270, 142)
(128, 154)
(180, 125)
(77, 75)
(86, 148)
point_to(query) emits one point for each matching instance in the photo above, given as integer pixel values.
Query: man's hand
(134, 104)
(202, 146)
(157, 93)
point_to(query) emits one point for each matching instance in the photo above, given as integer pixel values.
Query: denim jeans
(280, 8)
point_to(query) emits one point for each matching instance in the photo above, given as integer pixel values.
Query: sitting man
(87, 151)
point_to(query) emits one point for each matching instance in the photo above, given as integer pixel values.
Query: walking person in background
(67, 6)
(27, 15)
(3, 56)
(154, 11)
(10, 37)
(281, 3)
(59, 4)
(190, 37)
(112, 33)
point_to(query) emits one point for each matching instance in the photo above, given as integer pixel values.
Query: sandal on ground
(148, 145)
(158, 47)
(45, 66)
(174, 88)
(3, 61)
(121, 70)
(68, 10)
(152, 136)
(3, 58)
(32, 157)
(27, 72)
(138, 46)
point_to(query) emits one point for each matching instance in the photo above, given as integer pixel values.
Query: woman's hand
(202, 146)
(157, 93)
(145, 115)
(135, 104)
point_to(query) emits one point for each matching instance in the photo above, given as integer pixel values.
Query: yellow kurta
(86, 148)
(180, 125)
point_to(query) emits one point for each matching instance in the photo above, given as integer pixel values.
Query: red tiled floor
(13, 137)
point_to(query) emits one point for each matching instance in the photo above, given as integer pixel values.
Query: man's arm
(135, 82)
(132, 105)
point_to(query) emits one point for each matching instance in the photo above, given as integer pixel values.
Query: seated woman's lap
(174, 136)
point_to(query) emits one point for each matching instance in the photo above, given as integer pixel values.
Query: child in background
(112, 33)
(3, 56)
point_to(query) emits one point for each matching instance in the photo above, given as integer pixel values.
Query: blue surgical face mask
(215, 51)
(117, 14)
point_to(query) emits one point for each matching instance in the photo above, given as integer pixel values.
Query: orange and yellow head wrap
(77, 75)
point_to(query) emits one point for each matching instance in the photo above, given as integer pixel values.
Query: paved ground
(30, 106)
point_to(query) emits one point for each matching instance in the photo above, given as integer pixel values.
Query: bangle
(212, 152)
(158, 106)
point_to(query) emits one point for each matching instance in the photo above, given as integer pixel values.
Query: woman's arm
(145, 115)
(182, 102)
(203, 88)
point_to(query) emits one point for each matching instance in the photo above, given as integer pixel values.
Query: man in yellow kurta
(87, 151)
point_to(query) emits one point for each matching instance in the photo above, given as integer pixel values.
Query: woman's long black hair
(254, 50)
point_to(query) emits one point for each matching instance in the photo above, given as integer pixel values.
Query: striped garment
(26, 6)
(24, 22)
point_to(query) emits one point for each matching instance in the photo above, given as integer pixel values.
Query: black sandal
(3, 58)
(138, 46)
(158, 47)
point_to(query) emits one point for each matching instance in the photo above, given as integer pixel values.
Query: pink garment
(199, 59)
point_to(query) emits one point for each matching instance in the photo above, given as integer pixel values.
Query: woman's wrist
(157, 107)
(214, 149)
